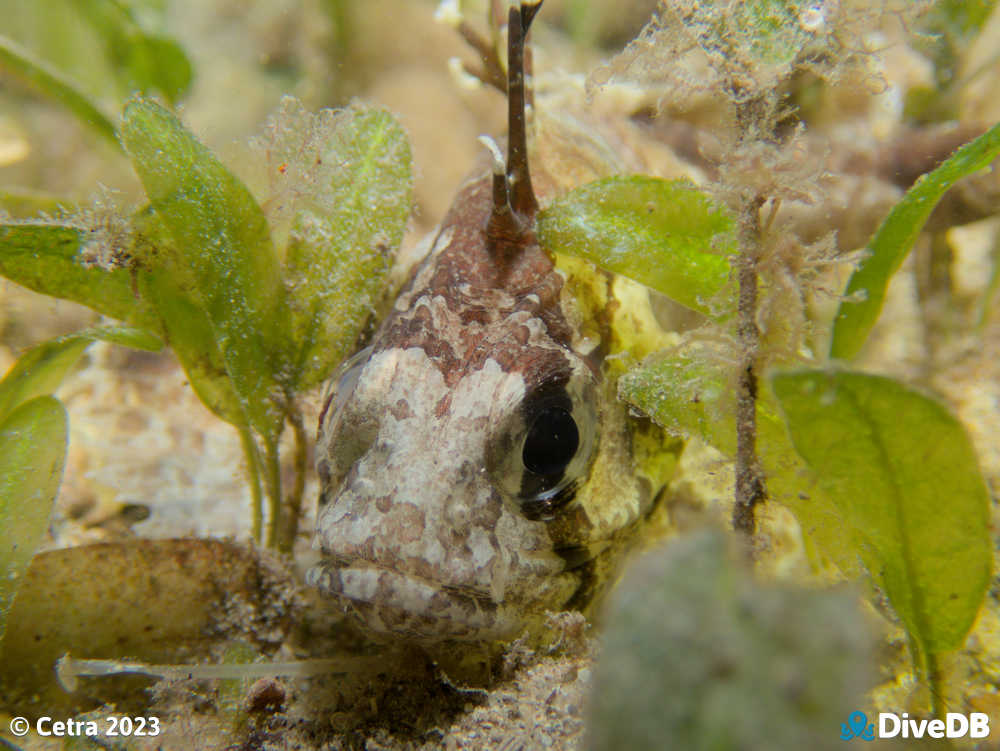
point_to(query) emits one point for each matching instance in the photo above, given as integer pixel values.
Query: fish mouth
(405, 605)
(393, 603)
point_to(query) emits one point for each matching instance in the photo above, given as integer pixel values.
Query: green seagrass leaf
(222, 247)
(903, 478)
(895, 238)
(41, 369)
(32, 455)
(668, 235)
(354, 193)
(47, 257)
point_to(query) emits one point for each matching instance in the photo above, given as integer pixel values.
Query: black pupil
(551, 443)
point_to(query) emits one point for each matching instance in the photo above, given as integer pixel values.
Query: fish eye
(540, 450)
(551, 443)
(345, 444)
(341, 386)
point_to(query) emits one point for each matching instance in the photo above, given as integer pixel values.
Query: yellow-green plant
(33, 435)
(257, 309)
(881, 476)
(253, 323)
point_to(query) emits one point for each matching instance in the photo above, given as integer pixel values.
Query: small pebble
(266, 695)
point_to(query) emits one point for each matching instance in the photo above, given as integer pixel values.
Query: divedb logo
(892, 725)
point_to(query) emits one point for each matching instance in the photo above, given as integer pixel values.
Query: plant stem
(930, 673)
(272, 484)
(253, 475)
(293, 504)
(935, 683)
(749, 481)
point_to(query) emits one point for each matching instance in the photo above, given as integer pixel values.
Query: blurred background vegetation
(68, 66)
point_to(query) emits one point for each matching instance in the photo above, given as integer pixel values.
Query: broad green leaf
(188, 330)
(667, 235)
(829, 543)
(142, 61)
(21, 63)
(32, 454)
(692, 394)
(349, 219)
(48, 258)
(189, 334)
(905, 482)
(894, 240)
(42, 369)
(224, 248)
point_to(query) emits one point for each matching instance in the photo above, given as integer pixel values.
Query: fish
(477, 470)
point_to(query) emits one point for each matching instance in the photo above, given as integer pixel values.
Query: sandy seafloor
(141, 442)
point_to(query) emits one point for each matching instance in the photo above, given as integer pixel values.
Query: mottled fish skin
(419, 524)
(430, 525)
